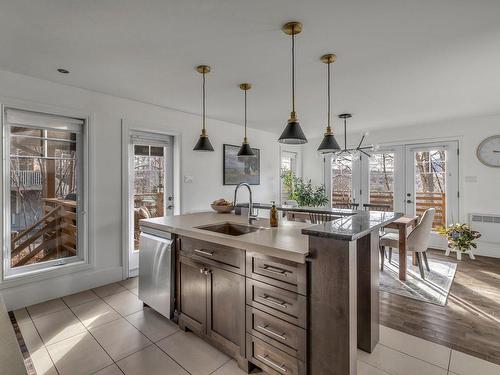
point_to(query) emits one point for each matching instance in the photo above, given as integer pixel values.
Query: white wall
(106, 113)
(482, 196)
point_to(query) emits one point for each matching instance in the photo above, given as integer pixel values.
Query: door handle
(265, 358)
(409, 201)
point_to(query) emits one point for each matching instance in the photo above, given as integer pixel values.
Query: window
(341, 174)
(381, 179)
(43, 156)
(288, 164)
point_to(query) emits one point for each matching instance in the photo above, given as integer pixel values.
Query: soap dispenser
(273, 217)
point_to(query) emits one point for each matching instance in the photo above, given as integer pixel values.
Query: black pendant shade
(293, 134)
(329, 144)
(245, 150)
(203, 143)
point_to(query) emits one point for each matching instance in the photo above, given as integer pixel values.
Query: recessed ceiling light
(63, 71)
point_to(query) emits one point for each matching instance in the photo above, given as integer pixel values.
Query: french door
(150, 160)
(405, 178)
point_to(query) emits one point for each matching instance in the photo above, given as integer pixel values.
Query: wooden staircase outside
(53, 236)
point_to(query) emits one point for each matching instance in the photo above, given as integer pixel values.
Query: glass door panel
(381, 179)
(432, 181)
(342, 181)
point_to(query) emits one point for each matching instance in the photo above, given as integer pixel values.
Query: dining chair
(376, 207)
(318, 217)
(417, 241)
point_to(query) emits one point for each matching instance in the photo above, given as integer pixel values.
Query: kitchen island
(297, 299)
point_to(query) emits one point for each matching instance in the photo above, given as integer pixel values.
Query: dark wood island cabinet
(279, 315)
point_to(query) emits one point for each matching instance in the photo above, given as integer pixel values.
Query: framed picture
(237, 169)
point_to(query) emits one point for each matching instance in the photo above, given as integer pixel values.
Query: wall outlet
(188, 179)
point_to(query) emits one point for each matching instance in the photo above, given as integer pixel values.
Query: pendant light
(203, 143)
(329, 143)
(245, 149)
(293, 133)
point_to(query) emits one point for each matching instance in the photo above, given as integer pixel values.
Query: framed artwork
(240, 169)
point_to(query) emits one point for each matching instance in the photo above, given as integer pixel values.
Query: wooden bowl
(222, 209)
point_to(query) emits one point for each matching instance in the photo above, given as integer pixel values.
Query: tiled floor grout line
(221, 366)
(449, 360)
(412, 356)
(41, 339)
(168, 355)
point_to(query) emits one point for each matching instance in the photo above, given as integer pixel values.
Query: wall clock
(488, 151)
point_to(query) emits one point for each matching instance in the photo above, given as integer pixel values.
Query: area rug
(434, 289)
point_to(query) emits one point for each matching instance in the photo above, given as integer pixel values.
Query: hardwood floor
(470, 321)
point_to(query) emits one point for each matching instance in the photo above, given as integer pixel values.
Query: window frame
(14, 276)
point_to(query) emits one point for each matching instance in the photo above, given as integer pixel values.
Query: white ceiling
(399, 62)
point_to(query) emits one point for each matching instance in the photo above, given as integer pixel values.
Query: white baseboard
(44, 290)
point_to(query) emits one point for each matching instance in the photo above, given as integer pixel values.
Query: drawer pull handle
(265, 358)
(271, 332)
(204, 252)
(275, 301)
(276, 270)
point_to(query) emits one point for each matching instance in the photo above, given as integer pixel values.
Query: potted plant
(304, 192)
(461, 239)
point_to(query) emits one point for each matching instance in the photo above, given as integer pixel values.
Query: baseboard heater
(488, 225)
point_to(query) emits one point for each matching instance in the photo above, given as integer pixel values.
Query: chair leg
(382, 252)
(424, 254)
(390, 254)
(420, 265)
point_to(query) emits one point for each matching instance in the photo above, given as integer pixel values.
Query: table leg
(402, 253)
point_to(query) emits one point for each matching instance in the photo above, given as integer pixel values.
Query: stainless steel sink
(231, 229)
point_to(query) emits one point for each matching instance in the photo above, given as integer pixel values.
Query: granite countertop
(352, 227)
(285, 241)
(285, 208)
(288, 241)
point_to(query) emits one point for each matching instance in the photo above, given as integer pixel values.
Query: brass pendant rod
(245, 114)
(329, 128)
(293, 69)
(203, 101)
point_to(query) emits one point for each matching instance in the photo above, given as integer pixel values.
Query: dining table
(404, 224)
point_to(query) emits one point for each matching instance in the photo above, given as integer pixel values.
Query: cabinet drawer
(272, 360)
(279, 272)
(283, 335)
(225, 257)
(278, 302)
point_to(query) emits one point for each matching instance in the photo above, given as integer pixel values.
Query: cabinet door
(193, 295)
(226, 309)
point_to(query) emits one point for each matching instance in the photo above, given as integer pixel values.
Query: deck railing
(26, 178)
(52, 236)
(423, 202)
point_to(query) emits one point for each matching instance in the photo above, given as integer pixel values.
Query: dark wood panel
(279, 272)
(272, 360)
(368, 291)
(281, 303)
(276, 332)
(469, 322)
(226, 309)
(228, 258)
(192, 295)
(332, 339)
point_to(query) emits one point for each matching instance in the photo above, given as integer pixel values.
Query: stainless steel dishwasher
(156, 270)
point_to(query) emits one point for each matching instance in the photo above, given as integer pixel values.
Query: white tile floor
(106, 331)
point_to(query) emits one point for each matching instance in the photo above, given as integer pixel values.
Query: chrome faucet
(251, 216)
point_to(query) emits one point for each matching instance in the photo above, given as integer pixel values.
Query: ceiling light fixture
(245, 149)
(203, 143)
(329, 143)
(63, 71)
(293, 133)
(352, 151)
